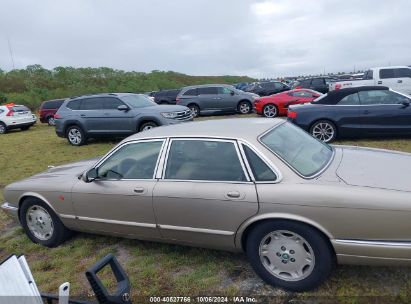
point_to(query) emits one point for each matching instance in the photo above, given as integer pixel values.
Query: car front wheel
(324, 130)
(75, 136)
(41, 224)
(147, 126)
(289, 255)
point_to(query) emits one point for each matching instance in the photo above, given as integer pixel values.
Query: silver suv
(113, 115)
(215, 98)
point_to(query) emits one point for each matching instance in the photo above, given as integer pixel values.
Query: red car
(277, 104)
(47, 110)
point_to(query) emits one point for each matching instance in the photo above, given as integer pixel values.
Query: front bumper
(11, 210)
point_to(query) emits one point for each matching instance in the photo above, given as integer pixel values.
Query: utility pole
(11, 53)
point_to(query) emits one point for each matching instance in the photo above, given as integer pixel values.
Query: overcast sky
(207, 37)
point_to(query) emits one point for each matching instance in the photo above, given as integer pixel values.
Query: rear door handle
(83, 115)
(139, 190)
(233, 194)
(399, 81)
(380, 82)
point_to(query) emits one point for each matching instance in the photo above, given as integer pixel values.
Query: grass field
(165, 270)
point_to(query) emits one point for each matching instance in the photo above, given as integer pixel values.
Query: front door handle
(233, 194)
(380, 82)
(139, 190)
(399, 81)
(83, 115)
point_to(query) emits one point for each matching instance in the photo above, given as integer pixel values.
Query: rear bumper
(11, 210)
(20, 125)
(365, 252)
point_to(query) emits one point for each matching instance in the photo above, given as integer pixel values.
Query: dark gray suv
(113, 114)
(216, 98)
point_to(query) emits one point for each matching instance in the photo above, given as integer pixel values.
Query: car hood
(59, 178)
(163, 108)
(375, 168)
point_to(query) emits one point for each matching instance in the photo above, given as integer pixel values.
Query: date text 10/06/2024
(203, 299)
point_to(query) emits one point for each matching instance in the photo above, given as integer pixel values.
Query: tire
(294, 271)
(195, 110)
(244, 107)
(3, 128)
(25, 128)
(75, 136)
(147, 126)
(41, 224)
(324, 130)
(270, 110)
(51, 121)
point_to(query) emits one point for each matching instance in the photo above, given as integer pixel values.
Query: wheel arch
(72, 123)
(144, 120)
(28, 195)
(325, 118)
(246, 100)
(247, 227)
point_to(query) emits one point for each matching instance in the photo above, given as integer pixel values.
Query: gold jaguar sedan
(294, 205)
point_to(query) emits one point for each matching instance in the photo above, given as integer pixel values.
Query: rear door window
(387, 73)
(111, 103)
(208, 91)
(207, 160)
(404, 73)
(96, 103)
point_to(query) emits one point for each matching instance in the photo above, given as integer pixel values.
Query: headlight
(169, 114)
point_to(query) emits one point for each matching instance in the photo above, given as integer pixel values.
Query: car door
(229, 100)
(404, 80)
(347, 115)
(92, 114)
(204, 193)
(117, 121)
(387, 78)
(385, 112)
(120, 200)
(209, 99)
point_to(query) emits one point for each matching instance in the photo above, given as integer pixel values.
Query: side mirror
(123, 108)
(231, 93)
(90, 175)
(405, 103)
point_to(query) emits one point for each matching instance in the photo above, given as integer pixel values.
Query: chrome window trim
(136, 141)
(233, 141)
(270, 165)
(200, 230)
(286, 163)
(116, 222)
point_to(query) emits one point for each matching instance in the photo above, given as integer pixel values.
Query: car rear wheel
(75, 136)
(3, 128)
(51, 121)
(244, 107)
(41, 224)
(195, 110)
(147, 126)
(270, 111)
(289, 255)
(324, 130)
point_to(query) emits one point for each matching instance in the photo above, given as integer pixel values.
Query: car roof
(102, 95)
(236, 128)
(207, 85)
(335, 96)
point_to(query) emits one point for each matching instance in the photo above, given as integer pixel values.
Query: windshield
(298, 149)
(138, 101)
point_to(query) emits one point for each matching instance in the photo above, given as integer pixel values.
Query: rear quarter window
(190, 92)
(74, 104)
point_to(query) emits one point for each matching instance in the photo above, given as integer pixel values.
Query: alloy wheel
(51, 121)
(270, 111)
(244, 108)
(323, 131)
(287, 255)
(2, 129)
(74, 136)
